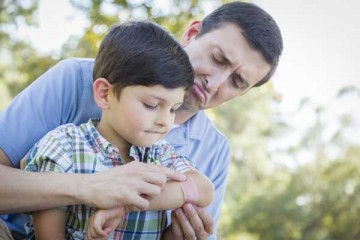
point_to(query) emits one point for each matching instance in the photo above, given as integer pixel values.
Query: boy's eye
(150, 106)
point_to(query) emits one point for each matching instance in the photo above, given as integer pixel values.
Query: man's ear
(101, 88)
(190, 32)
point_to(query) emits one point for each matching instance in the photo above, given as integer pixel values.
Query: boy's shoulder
(68, 130)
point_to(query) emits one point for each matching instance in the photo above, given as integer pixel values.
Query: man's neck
(182, 115)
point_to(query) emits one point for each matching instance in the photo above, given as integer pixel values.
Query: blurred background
(295, 172)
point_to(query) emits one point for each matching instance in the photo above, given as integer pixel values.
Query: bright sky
(321, 54)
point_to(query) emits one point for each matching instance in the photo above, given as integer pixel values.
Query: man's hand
(103, 222)
(132, 184)
(189, 222)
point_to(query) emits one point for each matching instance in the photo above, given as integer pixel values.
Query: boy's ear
(190, 32)
(101, 88)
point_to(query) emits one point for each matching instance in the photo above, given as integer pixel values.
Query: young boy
(138, 93)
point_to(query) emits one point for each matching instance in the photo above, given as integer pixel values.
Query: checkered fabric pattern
(72, 149)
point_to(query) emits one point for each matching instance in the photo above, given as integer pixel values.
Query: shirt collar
(104, 145)
(193, 129)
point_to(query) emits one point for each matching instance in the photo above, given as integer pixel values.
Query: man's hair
(142, 53)
(258, 27)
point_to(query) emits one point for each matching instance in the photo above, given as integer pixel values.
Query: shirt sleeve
(174, 161)
(49, 155)
(219, 179)
(47, 103)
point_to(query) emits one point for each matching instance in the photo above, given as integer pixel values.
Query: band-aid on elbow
(191, 193)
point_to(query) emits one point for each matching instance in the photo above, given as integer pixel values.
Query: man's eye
(238, 82)
(217, 60)
(150, 106)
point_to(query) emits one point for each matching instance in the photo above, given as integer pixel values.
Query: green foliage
(268, 200)
(20, 63)
(174, 15)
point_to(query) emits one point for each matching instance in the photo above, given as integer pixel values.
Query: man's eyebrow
(228, 62)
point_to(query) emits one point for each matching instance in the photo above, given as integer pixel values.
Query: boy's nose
(163, 120)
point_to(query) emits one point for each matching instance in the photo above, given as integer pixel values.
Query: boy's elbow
(206, 189)
(207, 193)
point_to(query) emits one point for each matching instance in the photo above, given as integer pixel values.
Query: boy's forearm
(49, 224)
(172, 195)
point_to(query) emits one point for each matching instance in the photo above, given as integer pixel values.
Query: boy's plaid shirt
(72, 149)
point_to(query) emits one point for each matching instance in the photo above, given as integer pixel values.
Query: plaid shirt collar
(141, 154)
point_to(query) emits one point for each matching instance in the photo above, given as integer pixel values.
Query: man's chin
(191, 106)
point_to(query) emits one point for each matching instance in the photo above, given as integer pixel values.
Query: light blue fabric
(64, 95)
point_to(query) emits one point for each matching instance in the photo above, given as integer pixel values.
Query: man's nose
(214, 81)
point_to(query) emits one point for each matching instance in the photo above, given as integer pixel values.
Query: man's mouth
(199, 91)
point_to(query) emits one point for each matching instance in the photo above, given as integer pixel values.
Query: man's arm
(108, 189)
(29, 186)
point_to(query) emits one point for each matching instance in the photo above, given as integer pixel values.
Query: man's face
(225, 66)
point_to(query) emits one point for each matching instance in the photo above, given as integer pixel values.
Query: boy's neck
(123, 147)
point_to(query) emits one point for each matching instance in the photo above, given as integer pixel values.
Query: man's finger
(174, 175)
(186, 226)
(140, 202)
(151, 189)
(170, 173)
(195, 220)
(206, 218)
(176, 228)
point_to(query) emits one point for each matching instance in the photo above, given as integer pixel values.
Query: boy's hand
(103, 222)
(132, 184)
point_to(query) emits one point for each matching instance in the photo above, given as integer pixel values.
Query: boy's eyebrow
(164, 100)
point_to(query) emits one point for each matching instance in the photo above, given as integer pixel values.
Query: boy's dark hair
(258, 27)
(142, 53)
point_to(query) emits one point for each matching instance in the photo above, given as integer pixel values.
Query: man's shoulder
(80, 61)
(76, 63)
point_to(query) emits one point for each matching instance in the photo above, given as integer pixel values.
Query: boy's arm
(197, 189)
(49, 224)
(176, 194)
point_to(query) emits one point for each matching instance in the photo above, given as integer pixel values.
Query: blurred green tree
(270, 200)
(174, 15)
(20, 63)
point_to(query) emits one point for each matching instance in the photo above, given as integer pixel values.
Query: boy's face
(142, 115)
(225, 66)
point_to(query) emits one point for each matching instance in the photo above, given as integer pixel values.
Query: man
(232, 50)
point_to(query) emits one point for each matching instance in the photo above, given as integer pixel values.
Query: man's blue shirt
(64, 95)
